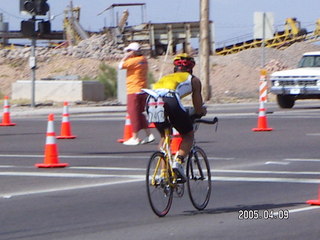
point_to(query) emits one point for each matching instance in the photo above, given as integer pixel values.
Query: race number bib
(155, 109)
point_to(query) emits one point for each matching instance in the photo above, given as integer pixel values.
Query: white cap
(132, 46)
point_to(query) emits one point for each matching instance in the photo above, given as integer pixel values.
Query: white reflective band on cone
(51, 140)
(50, 128)
(65, 118)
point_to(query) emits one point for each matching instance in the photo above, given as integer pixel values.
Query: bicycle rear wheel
(159, 190)
(199, 178)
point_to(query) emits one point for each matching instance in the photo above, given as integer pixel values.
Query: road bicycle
(162, 182)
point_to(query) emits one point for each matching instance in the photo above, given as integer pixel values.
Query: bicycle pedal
(181, 180)
(180, 177)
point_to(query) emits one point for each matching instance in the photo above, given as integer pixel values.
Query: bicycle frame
(168, 159)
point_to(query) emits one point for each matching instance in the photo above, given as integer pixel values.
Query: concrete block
(59, 90)
(121, 86)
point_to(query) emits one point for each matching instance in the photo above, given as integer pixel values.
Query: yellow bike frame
(166, 163)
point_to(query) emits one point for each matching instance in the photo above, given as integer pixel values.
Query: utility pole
(33, 65)
(205, 48)
(263, 55)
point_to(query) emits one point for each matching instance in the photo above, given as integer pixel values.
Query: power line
(10, 14)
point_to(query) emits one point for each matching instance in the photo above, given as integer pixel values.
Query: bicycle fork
(193, 162)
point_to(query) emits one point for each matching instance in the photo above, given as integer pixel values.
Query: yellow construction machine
(292, 33)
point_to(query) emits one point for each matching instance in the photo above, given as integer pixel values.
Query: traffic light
(28, 28)
(29, 6)
(42, 7)
(34, 7)
(44, 27)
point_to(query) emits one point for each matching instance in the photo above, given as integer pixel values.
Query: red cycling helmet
(183, 63)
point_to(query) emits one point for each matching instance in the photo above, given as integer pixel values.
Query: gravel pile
(96, 47)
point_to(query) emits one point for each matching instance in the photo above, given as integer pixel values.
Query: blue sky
(232, 18)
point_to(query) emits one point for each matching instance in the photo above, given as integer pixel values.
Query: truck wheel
(285, 101)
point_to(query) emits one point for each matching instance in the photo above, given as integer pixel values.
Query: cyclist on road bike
(172, 88)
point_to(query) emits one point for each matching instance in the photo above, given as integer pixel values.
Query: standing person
(137, 69)
(172, 88)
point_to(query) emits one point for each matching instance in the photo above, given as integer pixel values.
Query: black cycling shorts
(176, 115)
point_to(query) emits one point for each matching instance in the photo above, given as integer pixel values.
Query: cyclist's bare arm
(197, 97)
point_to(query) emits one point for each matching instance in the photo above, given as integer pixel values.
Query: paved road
(102, 194)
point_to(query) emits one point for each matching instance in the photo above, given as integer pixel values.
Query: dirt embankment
(233, 78)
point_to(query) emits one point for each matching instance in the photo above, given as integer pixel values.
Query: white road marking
(110, 168)
(75, 156)
(100, 157)
(147, 157)
(303, 209)
(68, 188)
(144, 169)
(313, 134)
(276, 163)
(263, 179)
(266, 172)
(100, 119)
(302, 159)
(222, 179)
(220, 158)
(20, 156)
(7, 166)
(140, 176)
(64, 175)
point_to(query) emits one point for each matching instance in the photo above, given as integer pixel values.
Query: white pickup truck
(302, 82)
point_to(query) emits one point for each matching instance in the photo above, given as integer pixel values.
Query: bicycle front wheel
(159, 190)
(199, 178)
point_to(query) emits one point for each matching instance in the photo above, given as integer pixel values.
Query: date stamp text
(248, 214)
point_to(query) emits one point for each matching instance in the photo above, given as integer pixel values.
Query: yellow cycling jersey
(179, 82)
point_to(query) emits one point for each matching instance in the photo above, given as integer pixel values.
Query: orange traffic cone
(127, 132)
(6, 114)
(175, 141)
(316, 201)
(51, 159)
(262, 120)
(65, 125)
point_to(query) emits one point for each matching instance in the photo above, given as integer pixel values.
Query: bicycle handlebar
(215, 120)
(206, 121)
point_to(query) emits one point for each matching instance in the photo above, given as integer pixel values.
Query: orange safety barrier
(51, 159)
(127, 131)
(315, 201)
(262, 124)
(65, 125)
(6, 114)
